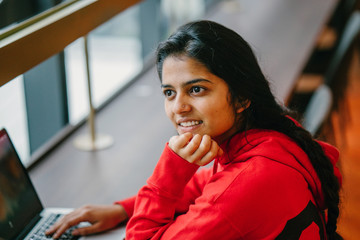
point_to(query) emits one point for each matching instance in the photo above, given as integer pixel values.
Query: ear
(241, 106)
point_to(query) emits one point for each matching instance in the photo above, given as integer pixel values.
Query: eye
(168, 93)
(197, 89)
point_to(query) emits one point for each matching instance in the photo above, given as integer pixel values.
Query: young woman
(269, 179)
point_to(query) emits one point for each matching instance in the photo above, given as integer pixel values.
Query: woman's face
(196, 100)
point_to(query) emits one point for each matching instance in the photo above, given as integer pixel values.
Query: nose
(181, 105)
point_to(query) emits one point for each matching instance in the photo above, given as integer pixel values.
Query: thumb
(83, 231)
(220, 152)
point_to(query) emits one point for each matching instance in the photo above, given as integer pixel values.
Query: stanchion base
(85, 142)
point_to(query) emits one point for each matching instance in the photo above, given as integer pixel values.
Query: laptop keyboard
(39, 234)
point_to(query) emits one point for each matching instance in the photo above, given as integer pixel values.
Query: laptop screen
(19, 202)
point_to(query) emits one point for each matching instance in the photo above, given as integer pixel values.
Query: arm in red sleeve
(156, 202)
(192, 190)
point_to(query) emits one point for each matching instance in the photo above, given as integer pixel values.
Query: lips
(189, 123)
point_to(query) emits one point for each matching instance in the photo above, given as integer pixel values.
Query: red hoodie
(263, 187)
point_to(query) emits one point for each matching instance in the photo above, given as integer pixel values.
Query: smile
(190, 123)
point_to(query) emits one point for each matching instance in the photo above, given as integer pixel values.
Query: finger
(60, 230)
(220, 152)
(52, 229)
(59, 223)
(65, 224)
(178, 142)
(203, 149)
(68, 217)
(193, 145)
(95, 228)
(184, 139)
(210, 155)
(172, 141)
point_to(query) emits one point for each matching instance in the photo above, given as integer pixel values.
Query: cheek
(167, 107)
(220, 107)
(223, 116)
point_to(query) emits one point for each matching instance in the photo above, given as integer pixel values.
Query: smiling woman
(270, 179)
(222, 107)
(196, 100)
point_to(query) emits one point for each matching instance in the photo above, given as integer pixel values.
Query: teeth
(190, 123)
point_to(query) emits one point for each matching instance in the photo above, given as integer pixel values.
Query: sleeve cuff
(172, 173)
(128, 204)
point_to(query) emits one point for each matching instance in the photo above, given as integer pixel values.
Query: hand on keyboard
(101, 218)
(39, 233)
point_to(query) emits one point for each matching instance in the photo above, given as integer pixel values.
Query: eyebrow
(187, 83)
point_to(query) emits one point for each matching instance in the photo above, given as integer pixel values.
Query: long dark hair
(229, 56)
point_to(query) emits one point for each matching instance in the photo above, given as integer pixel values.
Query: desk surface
(282, 33)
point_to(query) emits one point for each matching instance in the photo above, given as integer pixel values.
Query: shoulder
(258, 194)
(257, 177)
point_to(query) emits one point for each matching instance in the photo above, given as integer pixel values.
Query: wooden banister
(24, 49)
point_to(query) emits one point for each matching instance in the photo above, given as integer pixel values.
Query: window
(114, 58)
(13, 116)
(52, 96)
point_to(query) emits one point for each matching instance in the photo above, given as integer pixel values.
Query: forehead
(182, 68)
(182, 61)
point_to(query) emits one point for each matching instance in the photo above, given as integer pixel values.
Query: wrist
(171, 173)
(120, 212)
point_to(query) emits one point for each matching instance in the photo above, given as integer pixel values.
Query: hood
(280, 148)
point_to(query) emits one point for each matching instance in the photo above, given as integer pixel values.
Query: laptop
(22, 214)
